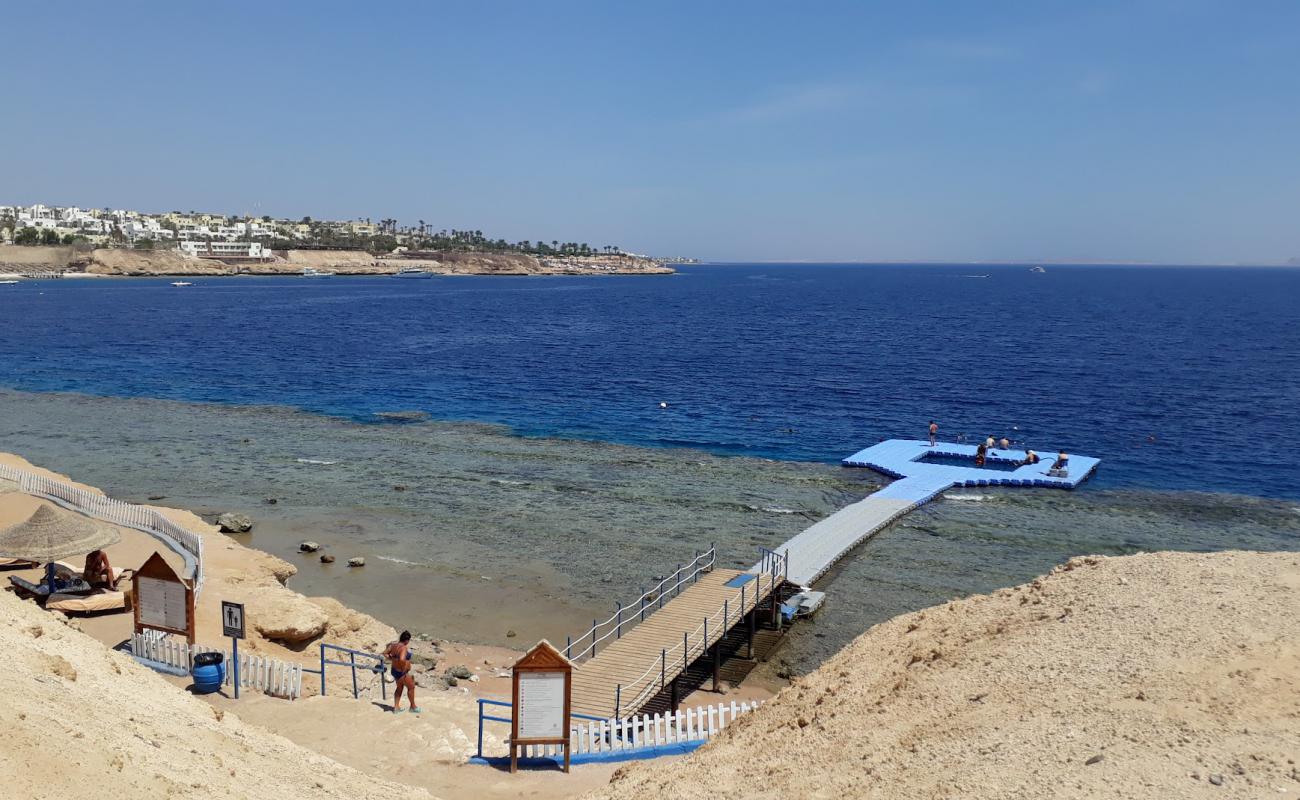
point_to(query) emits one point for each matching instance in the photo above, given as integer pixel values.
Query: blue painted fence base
(605, 757)
(179, 672)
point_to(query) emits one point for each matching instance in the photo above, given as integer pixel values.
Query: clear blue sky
(1153, 131)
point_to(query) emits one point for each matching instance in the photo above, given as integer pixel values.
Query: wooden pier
(624, 663)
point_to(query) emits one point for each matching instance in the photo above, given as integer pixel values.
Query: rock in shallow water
(308, 546)
(356, 561)
(232, 522)
(327, 559)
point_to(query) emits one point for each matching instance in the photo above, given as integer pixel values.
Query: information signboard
(161, 600)
(543, 686)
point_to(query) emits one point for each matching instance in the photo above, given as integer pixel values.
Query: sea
(514, 455)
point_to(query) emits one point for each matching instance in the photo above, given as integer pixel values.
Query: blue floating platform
(904, 458)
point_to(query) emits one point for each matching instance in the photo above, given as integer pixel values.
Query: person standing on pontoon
(934, 432)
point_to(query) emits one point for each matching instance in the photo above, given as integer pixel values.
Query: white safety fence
(188, 544)
(647, 731)
(269, 675)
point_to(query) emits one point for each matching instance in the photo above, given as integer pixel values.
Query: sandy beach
(361, 733)
(1146, 676)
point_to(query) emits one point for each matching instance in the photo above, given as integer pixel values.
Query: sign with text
(232, 619)
(541, 705)
(543, 686)
(161, 600)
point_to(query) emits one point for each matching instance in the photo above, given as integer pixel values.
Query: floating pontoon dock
(625, 661)
(923, 472)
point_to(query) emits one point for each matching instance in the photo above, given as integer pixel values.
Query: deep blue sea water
(1178, 378)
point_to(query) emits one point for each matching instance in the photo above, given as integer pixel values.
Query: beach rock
(232, 522)
(473, 679)
(157, 497)
(399, 487)
(308, 546)
(270, 501)
(449, 680)
(460, 671)
(510, 634)
(287, 618)
(356, 561)
(327, 559)
(1095, 759)
(1216, 779)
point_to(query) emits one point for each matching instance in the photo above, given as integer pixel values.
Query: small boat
(7, 283)
(1037, 269)
(181, 283)
(312, 272)
(801, 605)
(412, 272)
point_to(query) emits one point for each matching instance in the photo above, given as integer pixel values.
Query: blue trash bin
(209, 672)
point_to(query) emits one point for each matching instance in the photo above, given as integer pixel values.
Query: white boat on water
(7, 283)
(1037, 269)
(181, 283)
(312, 272)
(412, 272)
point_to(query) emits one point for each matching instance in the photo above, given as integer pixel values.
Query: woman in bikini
(398, 654)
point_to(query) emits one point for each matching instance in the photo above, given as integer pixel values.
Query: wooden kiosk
(162, 600)
(543, 686)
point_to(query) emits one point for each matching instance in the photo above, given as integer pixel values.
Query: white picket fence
(646, 731)
(269, 675)
(187, 544)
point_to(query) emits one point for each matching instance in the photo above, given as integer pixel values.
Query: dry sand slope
(1151, 676)
(82, 721)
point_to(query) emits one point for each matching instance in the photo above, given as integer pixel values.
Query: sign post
(543, 687)
(232, 625)
(161, 600)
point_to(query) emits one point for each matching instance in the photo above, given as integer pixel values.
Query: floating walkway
(923, 472)
(640, 652)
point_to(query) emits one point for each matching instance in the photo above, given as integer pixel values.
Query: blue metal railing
(484, 717)
(377, 668)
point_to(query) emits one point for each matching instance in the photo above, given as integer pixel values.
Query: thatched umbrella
(50, 534)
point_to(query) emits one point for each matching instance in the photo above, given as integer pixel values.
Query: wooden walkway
(631, 668)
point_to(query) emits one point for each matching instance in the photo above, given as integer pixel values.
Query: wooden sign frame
(157, 568)
(543, 657)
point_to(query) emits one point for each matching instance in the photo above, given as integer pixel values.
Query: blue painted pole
(322, 670)
(663, 667)
(234, 648)
(481, 706)
(619, 629)
(685, 655)
(568, 647)
(643, 605)
(352, 656)
(725, 616)
(618, 700)
(593, 638)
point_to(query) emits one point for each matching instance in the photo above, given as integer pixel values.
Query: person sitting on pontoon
(1030, 458)
(1004, 443)
(981, 454)
(98, 572)
(1062, 461)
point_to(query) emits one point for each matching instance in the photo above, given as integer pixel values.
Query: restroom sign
(232, 619)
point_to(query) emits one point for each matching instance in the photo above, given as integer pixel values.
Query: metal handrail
(377, 668)
(703, 562)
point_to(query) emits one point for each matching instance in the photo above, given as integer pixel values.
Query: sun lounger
(17, 562)
(97, 601)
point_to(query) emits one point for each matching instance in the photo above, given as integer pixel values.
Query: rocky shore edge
(171, 263)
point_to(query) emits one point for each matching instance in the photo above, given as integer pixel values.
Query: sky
(962, 131)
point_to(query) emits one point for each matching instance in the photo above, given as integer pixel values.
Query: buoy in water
(663, 405)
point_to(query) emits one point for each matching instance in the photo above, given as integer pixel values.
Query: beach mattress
(102, 600)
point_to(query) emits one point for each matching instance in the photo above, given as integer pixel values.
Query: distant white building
(226, 249)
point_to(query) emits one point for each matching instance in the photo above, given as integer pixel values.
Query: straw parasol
(50, 534)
